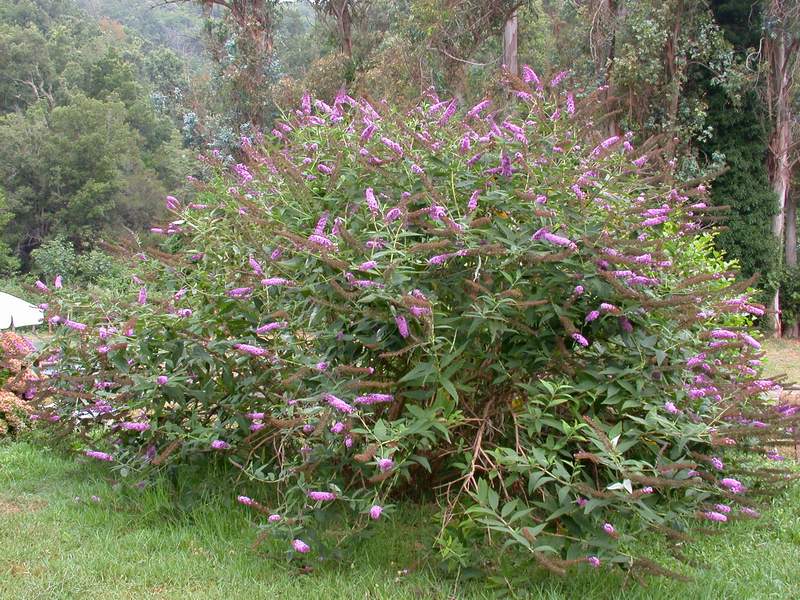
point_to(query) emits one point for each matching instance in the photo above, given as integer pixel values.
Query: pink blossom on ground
(375, 512)
(714, 516)
(301, 546)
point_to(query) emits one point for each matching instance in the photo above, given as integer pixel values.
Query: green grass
(54, 547)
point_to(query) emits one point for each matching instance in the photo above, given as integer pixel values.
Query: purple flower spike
(712, 515)
(99, 455)
(530, 76)
(580, 339)
(255, 265)
(373, 399)
(338, 404)
(556, 240)
(372, 203)
(242, 292)
(220, 445)
(402, 325)
(276, 281)
(131, 426)
(392, 145)
(74, 325)
(476, 110)
(271, 327)
(733, 485)
(449, 112)
(472, 205)
(249, 349)
(593, 561)
(375, 512)
(322, 496)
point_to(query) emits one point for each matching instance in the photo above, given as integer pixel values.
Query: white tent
(15, 311)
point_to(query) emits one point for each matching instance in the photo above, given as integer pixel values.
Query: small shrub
(494, 307)
(16, 383)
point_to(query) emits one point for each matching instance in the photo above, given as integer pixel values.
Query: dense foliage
(86, 150)
(494, 305)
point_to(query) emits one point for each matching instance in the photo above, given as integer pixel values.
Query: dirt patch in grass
(783, 358)
(13, 507)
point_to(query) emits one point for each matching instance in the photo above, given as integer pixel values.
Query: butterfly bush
(489, 302)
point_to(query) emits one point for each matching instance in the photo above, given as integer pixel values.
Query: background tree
(781, 43)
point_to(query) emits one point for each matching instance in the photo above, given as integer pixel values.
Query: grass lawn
(783, 358)
(57, 547)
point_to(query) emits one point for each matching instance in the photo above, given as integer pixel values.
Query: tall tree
(781, 44)
(343, 13)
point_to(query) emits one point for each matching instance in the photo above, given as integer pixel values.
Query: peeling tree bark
(790, 255)
(510, 45)
(791, 231)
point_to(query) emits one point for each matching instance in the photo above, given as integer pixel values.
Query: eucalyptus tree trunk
(602, 43)
(510, 45)
(779, 55)
(344, 23)
(790, 255)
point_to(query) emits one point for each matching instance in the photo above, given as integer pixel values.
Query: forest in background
(105, 104)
